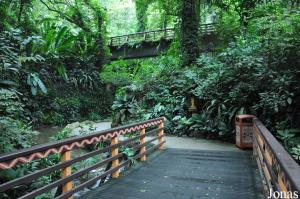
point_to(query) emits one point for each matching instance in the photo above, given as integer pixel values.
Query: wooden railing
(65, 147)
(279, 171)
(154, 35)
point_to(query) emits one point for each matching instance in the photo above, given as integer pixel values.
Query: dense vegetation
(254, 70)
(55, 67)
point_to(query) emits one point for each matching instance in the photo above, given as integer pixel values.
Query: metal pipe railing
(154, 35)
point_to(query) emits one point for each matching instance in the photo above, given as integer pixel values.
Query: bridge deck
(187, 174)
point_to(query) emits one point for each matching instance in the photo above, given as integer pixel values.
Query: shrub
(10, 104)
(14, 135)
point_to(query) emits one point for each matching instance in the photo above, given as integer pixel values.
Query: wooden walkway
(187, 174)
(170, 173)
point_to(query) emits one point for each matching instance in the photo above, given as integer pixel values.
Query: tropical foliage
(55, 69)
(255, 71)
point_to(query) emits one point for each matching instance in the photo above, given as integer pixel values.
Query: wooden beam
(114, 152)
(66, 172)
(142, 141)
(268, 156)
(282, 184)
(161, 133)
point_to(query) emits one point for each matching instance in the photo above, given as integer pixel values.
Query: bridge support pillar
(143, 148)
(115, 152)
(66, 172)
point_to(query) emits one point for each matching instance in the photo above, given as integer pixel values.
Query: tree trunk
(190, 37)
(141, 14)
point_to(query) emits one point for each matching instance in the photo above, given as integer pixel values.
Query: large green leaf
(42, 86)
(60, 35)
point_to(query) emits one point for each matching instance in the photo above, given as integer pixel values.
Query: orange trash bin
(244, 131)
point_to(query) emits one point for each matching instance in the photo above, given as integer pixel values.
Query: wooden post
(66, 172)
(161, 132)
(114, 152)
(281, 184)
(142, 141)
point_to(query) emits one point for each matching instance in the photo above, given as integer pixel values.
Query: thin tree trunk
(141, 9)
(190, 36)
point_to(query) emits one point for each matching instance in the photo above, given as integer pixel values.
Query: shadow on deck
(187, 174)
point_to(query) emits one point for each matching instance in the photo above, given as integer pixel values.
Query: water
(48, 131)
(45, 132)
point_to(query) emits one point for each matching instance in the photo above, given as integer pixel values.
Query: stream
(46, 132)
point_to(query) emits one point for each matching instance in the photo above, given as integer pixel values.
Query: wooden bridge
(153, 43)
(130, 172)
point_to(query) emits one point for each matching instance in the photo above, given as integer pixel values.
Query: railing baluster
(66, 172)
(161, 133)
(114, 152)
(281, 183)
(142, 141)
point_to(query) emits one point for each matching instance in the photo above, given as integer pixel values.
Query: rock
(81, 128)
(73, 125)
(87, 127)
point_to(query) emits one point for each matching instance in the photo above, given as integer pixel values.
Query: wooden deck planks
(186, 174)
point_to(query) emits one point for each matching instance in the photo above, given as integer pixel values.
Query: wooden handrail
(278, 169)
(64, 147)
(70, 143)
